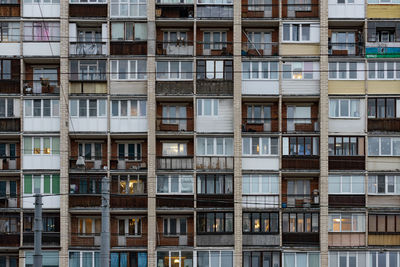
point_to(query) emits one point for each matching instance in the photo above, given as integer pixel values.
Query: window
(8, 150)
(124, 8)
(300, 222)
(8, 189)
(128, 70)
(87, 107)
(260, 184)
(344, 41)
(300, 71)
(345, 1)
(383, 108)
(384, 223)
(258, 114)
(301, 259)
(41, 145)
(298, 188)
(86, 1)
(343, 71)
(176, 258)
(260, 41)
(215, 222)
(346, 146)
(9, 31)
(261, 70)
(174, 114)
(260, 146)
(383, 258)
(300, 146)
(214, 40)
(263, 222)
(344, 108)
(207, 107)
(90, 151)
(215, 184)
(174, 149)
(131, 184)
(42, 108)
(50, 223)
(132, 152)
(346, 222)
(217, 258)
(5, 2)
(128, 108)
(10, 261)
(384, 184)
(261, 259)
(128, 31)
(347, 259)
(5, 69)
(218, 146)
(174, 226)
(42, 2)
(297, 115)
(6, 107)
(174, 70)
(89, 226)
(385, 35)
(124, 259)
(42, 31)
(41, 184)
(85, 185)
(383, 2)
(84, 258)
(49, 258)
(130, 226)
(214, 69)
(88, 70)
(383, 146)
(9, 224)
(381, 70)
(296, 32)
(174, 184)
(346, 184)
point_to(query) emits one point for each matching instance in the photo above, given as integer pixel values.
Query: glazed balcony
(177, 48)
(215, 11)
(171, 9)
(260, 125)
(250, 49)
(260, 11)
(175, 163)
(223, 163)
(42, 86)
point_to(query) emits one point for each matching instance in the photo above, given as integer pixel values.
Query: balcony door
(89, 42)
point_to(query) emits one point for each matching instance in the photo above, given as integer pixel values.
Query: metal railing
(42, 86)
(174, 124)
(214, 162)
(260, 125)
(175, 163)
(215, 48)
(346, 49)
(87, 48)
(260, 49)
(175, 48)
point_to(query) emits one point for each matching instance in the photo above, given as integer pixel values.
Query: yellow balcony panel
(383, 240)
(346, 87)
(383, 87)
(383, 163)
(383, 11)
(88, 88)
(299, 50)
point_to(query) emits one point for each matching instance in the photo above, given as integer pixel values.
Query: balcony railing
(128, 163)
(128, 47)
(9, 239)
(10, 125)
(10, 86)
(260, 125)
(258, 11)
(215, 48)
(87, 163)
(346, 162)
(131, 201)
(87, 48)
(9, 163)
(303, 238)
(347, 200)
(346, 49)
(177, 48)
(300, 200)
(42, 86)
(10, 10)
(84, 200)
(217, 12)
(178, 239)
(175, 163)
(48, 238)
(174, 124)
(138, 240)
(6, 201)
(300, 162)
(88, 10)
(300, 125)
(174, 11)
(308, 10)
(214, 163)
(260, 49)
(384, 124)
(85, 240)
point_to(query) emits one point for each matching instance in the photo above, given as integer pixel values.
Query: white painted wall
(128, 124)
(260, 163)
(7, 49)
(37, 162)
(261, 201)
(91, 124)
(37, 10)
(49, 202)
(349, 11)
(356, 125)
(300, 87)
(41, 49)
(260, 87)
(221, 123)
(41, 124)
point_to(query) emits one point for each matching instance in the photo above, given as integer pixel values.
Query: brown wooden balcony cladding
(260, 11)
(214, 201)
(128, 48)
(84, 201)
(303, 239)
(9, 239)
(48, 239)
(175, 240)
(175, 11)
(10, 86)
(383, 239)
(209, 87)
(10, 10)
(390, 125)
(260, 125)
(346, 162)
(300, 10)
(175, 201)
(128, 201)
(174, 88)
(300, 162)
(10, 125)
(89, 10)
(92, 240)
(346, 200)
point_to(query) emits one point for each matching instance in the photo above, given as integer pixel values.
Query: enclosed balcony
(260, 118)
(88, 156)
(88, 77)
(128, 231)
(10, 8)
(175, 155)
(40, 79)
(299, 118)
(384, 114)
(346, 153)
(260, 43)
(51, 230)
(346, 43)
(300, 193)
(10, 226)
(10, 76)
(173, 42)
(85, 191)
(175, 117)
(129, 155)
(128, 38)
(214, 77)
(87, 40)
(85, 231)
(129, 190)
(300, 229)
(215, 10)
(300, 8)
(301, 152)
(175, 230)
(173, 9)
(265, 9)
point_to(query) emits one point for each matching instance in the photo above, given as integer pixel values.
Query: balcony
(300, 162)
(297, 125)
(87, 163)
(9, 163)
(10, 86)
(214, 163)
(10, 10)
(87, 48)
(9, 239)
(346, 49)
(214, 48)
(84, 201)
(85, 240)
(384, 124)
(214, 201)
(300, 239)
(7, 202)
(382, 49)
(126, 240)
(128, 163)
(215, 11)
(88, 10)
(174, 87)
(42, 86)
(346, 162)
(260, 125)
(48, 239)
(214, 87)
(175, 48)
(257, 239)
(175, 239)
(175, 201)
(128, 48)
(300, 10)
(125, 201)
(10, 125)
(340, 201)
(251, 49)
(170, 9)
(260, 11)
(175, 163)
(175, 124)
(215, 239)
(301, 200)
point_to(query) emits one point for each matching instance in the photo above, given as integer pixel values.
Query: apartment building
(254, 133)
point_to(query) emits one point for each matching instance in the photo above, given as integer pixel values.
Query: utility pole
(105, 223)
(38, 228)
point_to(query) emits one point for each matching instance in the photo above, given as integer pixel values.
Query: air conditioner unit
(80, 162)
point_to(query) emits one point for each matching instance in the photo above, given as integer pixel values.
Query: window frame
(359, 140)
(375, 107)
(178, 231)
(30, 26)
(93, 231)
(252, 222)
(214, 177)
(203, 72)
(42, 148)
(336, 71)
(212, 44)
(130, 75)
(286, 226)
(180, 72)
(54, 183)
(138, 226)
(349, 108)
(11, 37)
(138, 152)
(139, 108)
(251, 178)
(393, 140)
(8, 103)
(180, 178)
(259, 146)
(214, 112)
(215, 146)
(137, 178)
(7, 76)
(300, 26)
(375, 70)
(354, 216)
(297, 145)
(129, 5)
(204, 216)
(76, 113)
(373, 183)
(31, 114)
(299, 76)
(271, 73)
